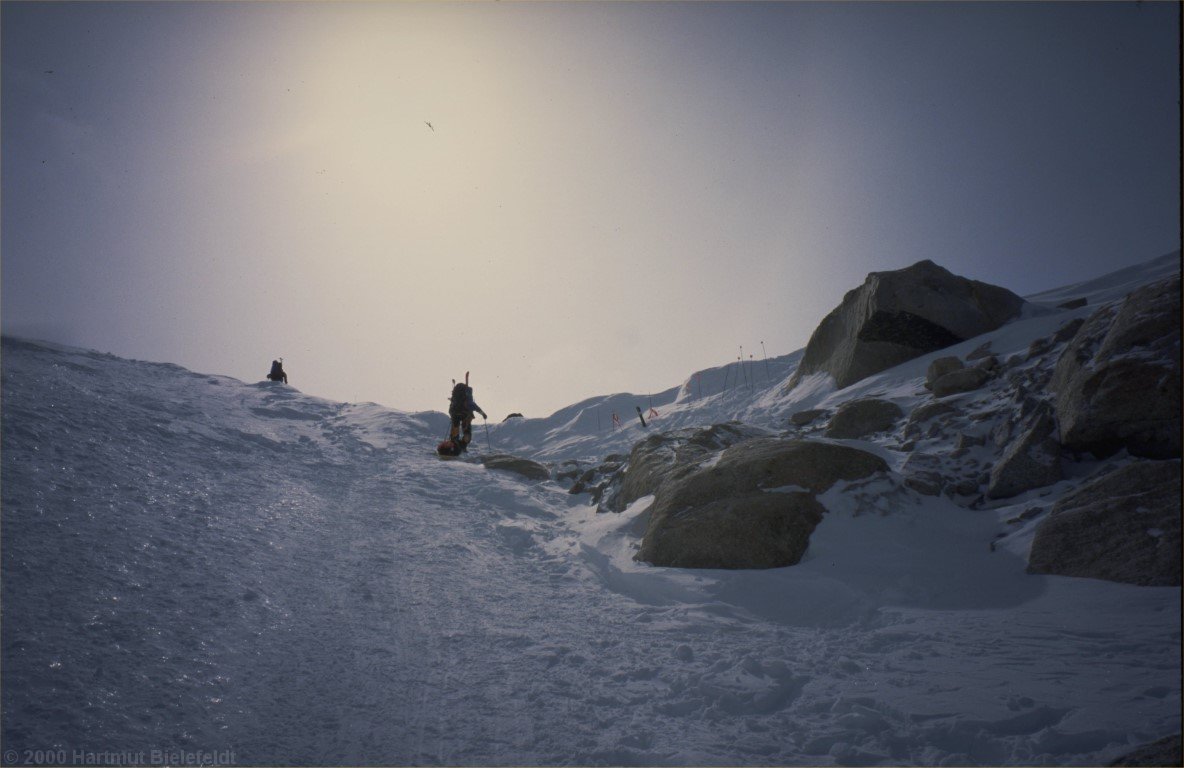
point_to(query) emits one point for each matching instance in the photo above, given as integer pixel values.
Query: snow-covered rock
(1118, 382)
(1032, 460)
(925, 413)
(899, 315)
(593, 480)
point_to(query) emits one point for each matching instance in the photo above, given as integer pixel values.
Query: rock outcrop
(1118, 381)
(1032, 460)
(923, 414)
(754, 508)
(593, 480)
(940, 367)
(858, 418)
(964, 380)
(668, 456)
(1166, 751)
(531, 470)
(896, 316)
(1123, 526)
(802, 418)
(981, 351)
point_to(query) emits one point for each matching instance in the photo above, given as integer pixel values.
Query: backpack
(459, 402)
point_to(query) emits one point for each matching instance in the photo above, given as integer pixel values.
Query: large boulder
(857, 418)
(1118, 382)
(899, 315)
(753, 508)
(1123, 526)
(750, 530)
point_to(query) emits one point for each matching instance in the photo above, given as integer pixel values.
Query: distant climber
(460, 408)
(277, 371)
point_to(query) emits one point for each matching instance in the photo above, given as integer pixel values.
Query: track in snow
(194, 563)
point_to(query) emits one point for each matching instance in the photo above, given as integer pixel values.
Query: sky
(566, 199)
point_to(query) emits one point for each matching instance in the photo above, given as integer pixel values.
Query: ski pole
(488, 443)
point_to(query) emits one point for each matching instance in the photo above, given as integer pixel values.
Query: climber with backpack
(277, 371)
(460, 409)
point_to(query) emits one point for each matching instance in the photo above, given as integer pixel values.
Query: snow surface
(195, 563)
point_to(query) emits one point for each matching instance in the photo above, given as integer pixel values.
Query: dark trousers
(462, 421)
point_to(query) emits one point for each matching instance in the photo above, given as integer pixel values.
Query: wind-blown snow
(195, 563)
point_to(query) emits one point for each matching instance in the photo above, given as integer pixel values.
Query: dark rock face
(1118, 381)
(1032, 460)
(592, 480)
(858, 418)
(1068, 331)
(906, 329)
(1167, 751)
(896, 316)
(754, 508)
(1123, 526)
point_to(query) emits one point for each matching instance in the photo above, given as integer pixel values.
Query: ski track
(195, 563)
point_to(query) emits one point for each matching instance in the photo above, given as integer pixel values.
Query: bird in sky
(429, 125)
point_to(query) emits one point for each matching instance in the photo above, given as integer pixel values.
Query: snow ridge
(195, 563)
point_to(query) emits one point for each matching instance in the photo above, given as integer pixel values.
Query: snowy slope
(199, 564)
(586, 429)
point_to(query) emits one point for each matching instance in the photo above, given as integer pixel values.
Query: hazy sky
(610, 195)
